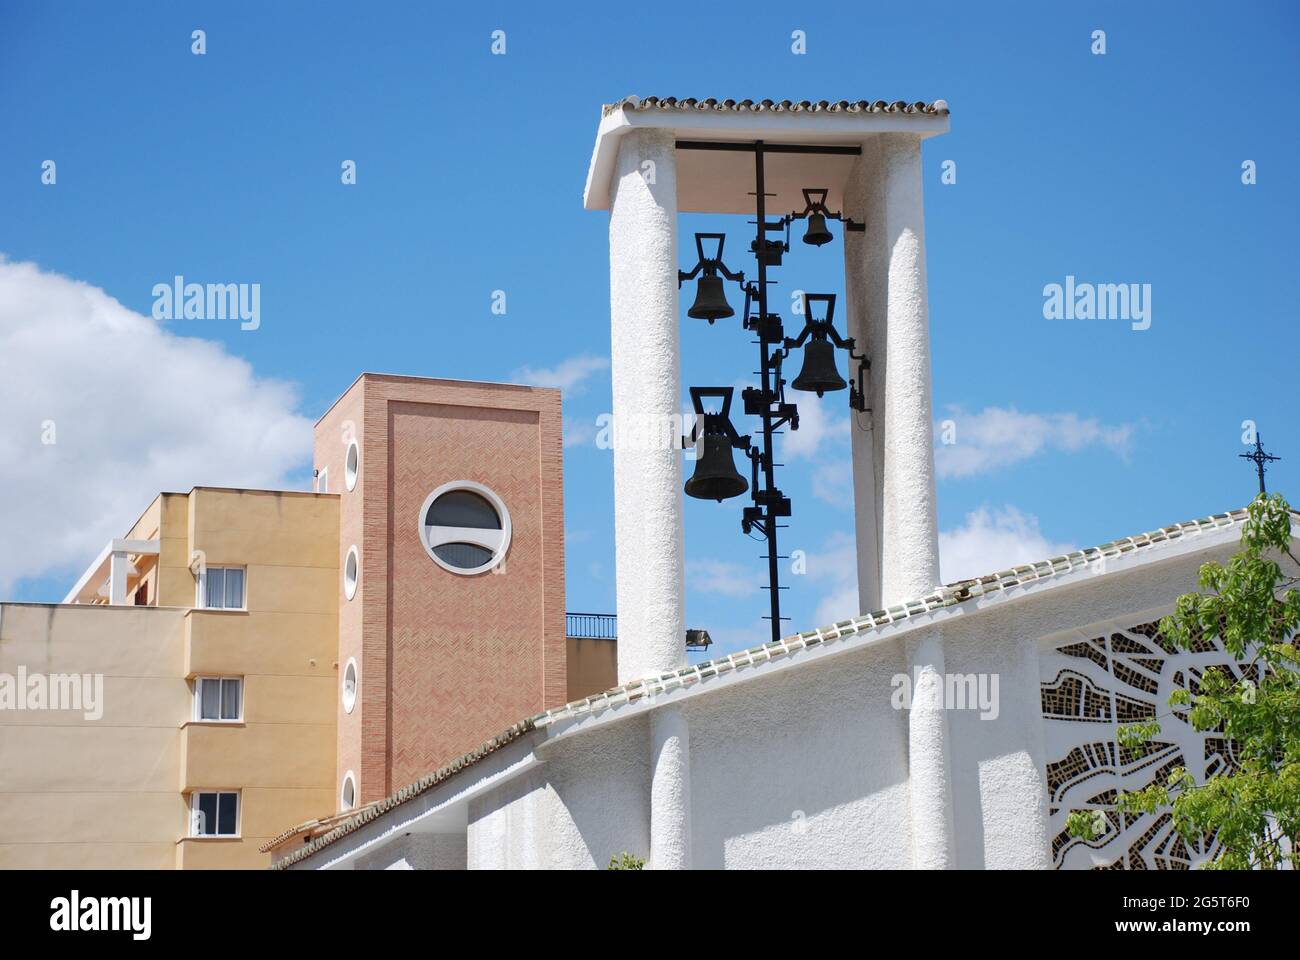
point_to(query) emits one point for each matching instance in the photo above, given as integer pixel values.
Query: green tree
(626, 861)
(1253, 806)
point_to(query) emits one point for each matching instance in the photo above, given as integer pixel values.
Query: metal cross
(1259, 457)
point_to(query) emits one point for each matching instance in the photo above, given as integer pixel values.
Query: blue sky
(225, 168)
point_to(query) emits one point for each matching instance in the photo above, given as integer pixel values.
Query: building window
(218, 698)
(214, 813)
(348, 795)
(465, 527)
(351, 464)
(350, 685)
(351, 572)
(323, 480)
(222, 588)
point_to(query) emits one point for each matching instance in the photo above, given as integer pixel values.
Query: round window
(351, 464)
(465, 527)
(350, 685)
(348, 795)
(351, 573)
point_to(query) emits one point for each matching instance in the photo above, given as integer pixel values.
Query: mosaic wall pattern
(1090, 685)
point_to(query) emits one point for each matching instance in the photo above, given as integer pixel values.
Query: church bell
(715, 476)
(819, 374)
(817, 232)
(710, 301)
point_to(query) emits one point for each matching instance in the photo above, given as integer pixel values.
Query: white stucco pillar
(645, 374)
(909, 554)
(670, 790)
(929, 787)
(648, 464)
(888, 315)
(865, 288)
(893, 453)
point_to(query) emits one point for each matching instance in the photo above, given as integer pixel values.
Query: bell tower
(654, 158)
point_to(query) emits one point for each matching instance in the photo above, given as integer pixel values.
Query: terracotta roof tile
(642, 104)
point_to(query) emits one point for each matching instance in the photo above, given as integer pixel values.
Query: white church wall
(586, 803)
(995, 747)
(806, 764)
(418, 851)
(807, 768)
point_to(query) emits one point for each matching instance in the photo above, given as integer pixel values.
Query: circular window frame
(350, 702)
(350, 583)
(502, 514)
(351, 778)
(351, 465)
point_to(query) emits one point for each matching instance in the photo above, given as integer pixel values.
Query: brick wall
(445, 660)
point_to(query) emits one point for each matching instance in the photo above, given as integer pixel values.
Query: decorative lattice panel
(1090, 685)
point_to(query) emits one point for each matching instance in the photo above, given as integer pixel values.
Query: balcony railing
(604, 626)
(591, 626)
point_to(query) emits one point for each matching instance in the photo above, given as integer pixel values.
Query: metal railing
(591, 626)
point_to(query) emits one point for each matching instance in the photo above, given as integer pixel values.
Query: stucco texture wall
(82, 793)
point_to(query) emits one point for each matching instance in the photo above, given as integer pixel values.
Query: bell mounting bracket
(709, 266)
(814, 200)
(698, 396)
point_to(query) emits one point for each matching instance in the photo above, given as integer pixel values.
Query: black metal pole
(768, 506)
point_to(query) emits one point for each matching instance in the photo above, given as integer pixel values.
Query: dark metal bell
(817, 233)
(715, 476)
(710, 302)
(819, 374)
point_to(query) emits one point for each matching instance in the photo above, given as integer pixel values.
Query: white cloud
(569, 375)
(817, 425)
(577, 432)
(835, 570)
(720, 577)
(988, 541)
(135, 410)
(997, 437)
(833, 483)
(991, 541)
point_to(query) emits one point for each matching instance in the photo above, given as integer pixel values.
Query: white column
(893, 461)
(929, 790)
(670, 790)
(888, 315)
(118, 570)
(909, 550)
(645, 373)
(864, 312)
(909, 555)
(648, 464)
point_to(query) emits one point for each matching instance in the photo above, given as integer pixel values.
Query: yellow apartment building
(180, 769)
(242, 666)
